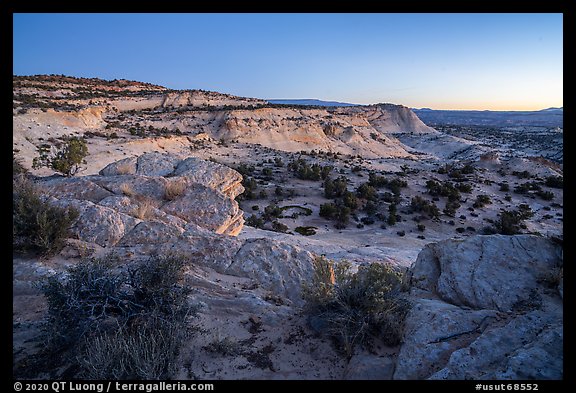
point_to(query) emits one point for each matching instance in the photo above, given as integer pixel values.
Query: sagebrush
(355, 306)
(38, 226)
(120, 323)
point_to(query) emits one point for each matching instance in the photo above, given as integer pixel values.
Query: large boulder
(98, 224)
(207, 208)
(276, 266)
(487, 307)
(74, 188)
(486, 272)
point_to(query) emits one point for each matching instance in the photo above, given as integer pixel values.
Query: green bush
(546, 195)
(121, 323)
(555, 181)
(392, 213)
(376, 181)
(328, 210)
(335, 188)
(419, 204)
(67, 160)
(37, 225)
(353, 307)
(302, 170)
(451, 208)
(306, 231)
(481, 201)
(277, 226)
(254, 221)
(366, 191)
(511, 222)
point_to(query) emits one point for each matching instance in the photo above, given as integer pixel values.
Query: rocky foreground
(487, 307)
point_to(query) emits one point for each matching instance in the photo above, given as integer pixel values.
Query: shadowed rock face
(485, 308)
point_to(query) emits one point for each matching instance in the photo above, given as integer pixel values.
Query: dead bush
(119, 322)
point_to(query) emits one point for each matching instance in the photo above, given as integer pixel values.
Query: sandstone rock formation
(126, 209)
(487, 307)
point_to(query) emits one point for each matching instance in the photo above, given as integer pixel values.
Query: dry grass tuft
(127, 190)
(145, 208)
(125, 168)
(174, 189)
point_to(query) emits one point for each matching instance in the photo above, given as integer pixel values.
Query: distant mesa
(561, 109)
(550, 117)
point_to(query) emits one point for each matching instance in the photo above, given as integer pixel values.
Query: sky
(439, 61)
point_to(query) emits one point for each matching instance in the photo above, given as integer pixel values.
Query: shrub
(254, 221)
(302, 170)
(335, 188)
(122, 324)
(419, 204)
(342, 217)
(349, 200)
(546, 195)
(504, 187)
(37, 225)
(451, 208)
(226, 346)
(526, 187)
(481, 201)
(555, 181)
(306, 231)
(328, 210)
(376, 181)
(17, 167)
(510, 222)
(445, 189)
(392, 215)
(370, 208)
(421, 227)
(67, 160)
(250, 187)
(367, 220)
(272, 211)
(277, 226)
(464, 187)
(395, 185)
(366, 191)
(354, 306)
(522, 175)
(144, 353)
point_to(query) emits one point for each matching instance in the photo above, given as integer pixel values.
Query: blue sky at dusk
(441, 61)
